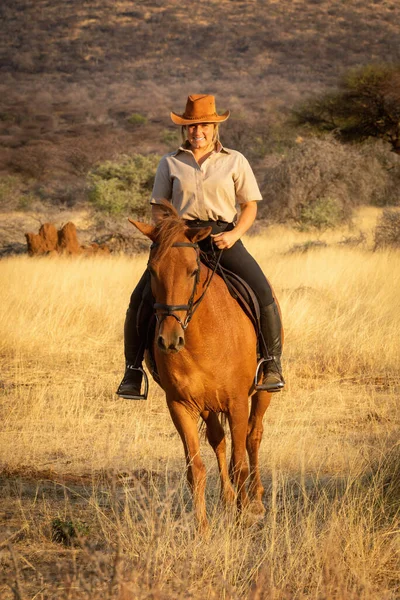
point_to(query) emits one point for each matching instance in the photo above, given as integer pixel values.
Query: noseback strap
(169, 308)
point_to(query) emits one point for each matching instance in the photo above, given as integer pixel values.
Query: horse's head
(174, 267)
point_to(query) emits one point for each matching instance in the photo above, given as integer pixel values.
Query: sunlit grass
(329, 531)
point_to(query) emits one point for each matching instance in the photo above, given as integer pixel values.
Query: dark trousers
(240, 262)
(235, 259)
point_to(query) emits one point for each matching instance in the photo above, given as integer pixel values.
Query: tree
(366, 104)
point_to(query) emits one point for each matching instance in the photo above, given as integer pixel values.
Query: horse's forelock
(166, 233)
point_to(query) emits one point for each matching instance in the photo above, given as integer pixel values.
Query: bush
(171, 137)
(319, 182)
(137, 119)
(366, 104)
(256, 137)
(15, 194)
(387, 231)
(117, 187)
(10, 191)
(384, 167)
(323, 213)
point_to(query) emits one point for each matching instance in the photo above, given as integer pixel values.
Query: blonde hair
(215, 138)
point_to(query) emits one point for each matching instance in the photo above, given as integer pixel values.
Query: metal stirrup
(259, 365)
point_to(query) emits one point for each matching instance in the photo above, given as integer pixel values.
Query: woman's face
(200, 135)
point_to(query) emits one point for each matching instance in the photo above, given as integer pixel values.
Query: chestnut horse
(205, 351)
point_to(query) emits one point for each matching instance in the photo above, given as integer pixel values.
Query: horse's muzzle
(171, 344)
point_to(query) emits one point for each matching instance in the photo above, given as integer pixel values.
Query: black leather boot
(135, 332)
(271, 348)
(130, 387)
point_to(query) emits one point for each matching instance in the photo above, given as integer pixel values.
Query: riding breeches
(239, 261)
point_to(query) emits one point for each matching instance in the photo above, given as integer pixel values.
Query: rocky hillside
(85, 81)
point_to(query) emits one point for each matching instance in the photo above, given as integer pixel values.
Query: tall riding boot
(135, 333)
(271, 348)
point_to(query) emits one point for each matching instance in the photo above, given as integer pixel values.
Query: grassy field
(93, 496)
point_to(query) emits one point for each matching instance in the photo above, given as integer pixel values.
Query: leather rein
(169, 310)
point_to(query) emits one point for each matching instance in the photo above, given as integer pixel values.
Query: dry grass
(70, 450)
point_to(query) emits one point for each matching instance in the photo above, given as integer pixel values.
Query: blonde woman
(206, 182)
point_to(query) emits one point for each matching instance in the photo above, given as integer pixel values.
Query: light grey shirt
(207, 192)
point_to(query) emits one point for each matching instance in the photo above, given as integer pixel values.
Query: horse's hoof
(256, 507)
(249, 518)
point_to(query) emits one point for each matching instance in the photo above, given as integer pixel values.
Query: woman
(205, 182)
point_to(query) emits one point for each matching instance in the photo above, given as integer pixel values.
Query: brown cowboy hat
(200, 108)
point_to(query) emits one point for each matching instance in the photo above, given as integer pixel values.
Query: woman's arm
(248, 212)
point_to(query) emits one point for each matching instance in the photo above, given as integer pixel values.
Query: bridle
(169, 310)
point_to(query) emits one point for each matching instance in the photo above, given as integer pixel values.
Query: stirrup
(137, 396)
(260, 386)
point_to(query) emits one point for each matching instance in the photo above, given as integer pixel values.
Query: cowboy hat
(200, 108)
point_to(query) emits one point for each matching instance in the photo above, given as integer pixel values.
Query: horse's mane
(167, 229)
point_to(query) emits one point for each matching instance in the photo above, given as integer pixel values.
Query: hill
(83, 82)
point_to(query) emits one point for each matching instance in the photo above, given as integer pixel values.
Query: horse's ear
(144, 228)
(196, 235)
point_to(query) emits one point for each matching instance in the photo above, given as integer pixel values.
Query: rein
(168, 310)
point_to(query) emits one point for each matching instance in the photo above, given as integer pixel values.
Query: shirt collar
(185, 148)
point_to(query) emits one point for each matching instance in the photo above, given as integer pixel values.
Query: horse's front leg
(238, 465)
(185, 422)
(259, 404)
(216, 439)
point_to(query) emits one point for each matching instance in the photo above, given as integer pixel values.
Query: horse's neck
(207, 283)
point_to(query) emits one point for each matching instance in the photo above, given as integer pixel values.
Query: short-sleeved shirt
(210, 191)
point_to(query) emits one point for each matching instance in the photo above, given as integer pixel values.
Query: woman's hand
(226, 239)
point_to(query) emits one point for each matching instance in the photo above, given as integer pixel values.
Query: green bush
(137, 119)
(366, 105)
(171, 137)
(118, 187)
(323, 213)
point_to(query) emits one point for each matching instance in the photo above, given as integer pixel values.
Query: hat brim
(180, 119)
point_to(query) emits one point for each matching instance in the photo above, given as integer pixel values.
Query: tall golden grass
(328, 458)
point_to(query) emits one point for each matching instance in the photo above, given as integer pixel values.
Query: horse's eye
(194, 273)
(151, 271)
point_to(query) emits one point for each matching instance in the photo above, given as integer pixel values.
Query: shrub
(137, 119)
(10, 191)
(116, 187)
(319, 181)
(171, 137)
(383, 166)
(256, 137)
(387, 231)
(366, 104)
(323, 213)
(67, 532)
(306, 246)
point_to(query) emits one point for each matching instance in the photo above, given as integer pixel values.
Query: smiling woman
(205, 182)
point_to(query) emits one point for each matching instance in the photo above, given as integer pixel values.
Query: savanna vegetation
(94, 502)
(87, 87)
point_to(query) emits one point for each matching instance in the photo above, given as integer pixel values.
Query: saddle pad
(240, 290)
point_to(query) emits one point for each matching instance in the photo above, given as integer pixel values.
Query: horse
(205, 349)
